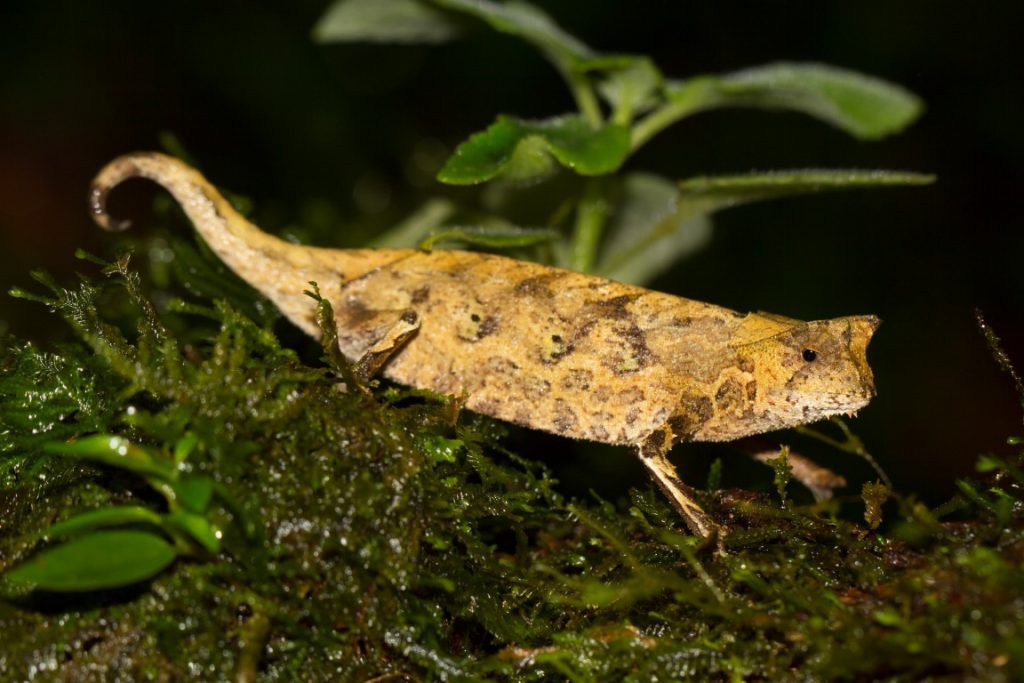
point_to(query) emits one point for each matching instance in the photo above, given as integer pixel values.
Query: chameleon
(549, 349)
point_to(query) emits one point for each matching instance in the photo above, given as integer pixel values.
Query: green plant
(627, 227)
(99, 554)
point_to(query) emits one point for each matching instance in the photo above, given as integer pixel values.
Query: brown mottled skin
(545, 348)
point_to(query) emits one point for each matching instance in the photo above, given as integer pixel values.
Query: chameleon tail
(281, 271)
(227, 232)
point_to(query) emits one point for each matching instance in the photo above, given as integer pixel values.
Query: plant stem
(591, 215)
(852, 444)
(586, 99)
(680, 107)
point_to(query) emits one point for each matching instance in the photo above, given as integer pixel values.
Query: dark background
(335, 143)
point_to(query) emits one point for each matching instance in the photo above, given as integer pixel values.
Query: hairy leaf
(863, 106)
(707, 194)
(385, 21)
(629, 83)
(494, 237)
(519, 150)
(528, 22)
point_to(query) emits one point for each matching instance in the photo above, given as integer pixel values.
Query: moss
(383, 532)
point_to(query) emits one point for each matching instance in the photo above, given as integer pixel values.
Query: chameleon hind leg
(653, 453)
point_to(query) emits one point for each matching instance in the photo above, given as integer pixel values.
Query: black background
(321, 136)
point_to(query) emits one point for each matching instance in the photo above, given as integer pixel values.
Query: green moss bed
(381, 534)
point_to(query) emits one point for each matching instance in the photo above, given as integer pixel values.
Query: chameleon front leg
(373, 360)
(683, 499)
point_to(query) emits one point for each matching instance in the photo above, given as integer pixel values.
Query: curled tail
(214, 217)
(280, 270)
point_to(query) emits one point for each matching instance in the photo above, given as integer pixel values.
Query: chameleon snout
(862, 329)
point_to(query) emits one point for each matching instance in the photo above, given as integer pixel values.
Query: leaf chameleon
(546, 348)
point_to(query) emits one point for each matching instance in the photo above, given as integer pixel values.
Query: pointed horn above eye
(868, 323)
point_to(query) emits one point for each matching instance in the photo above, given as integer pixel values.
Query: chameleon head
(796, 372)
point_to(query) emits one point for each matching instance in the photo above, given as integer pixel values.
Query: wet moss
(385, 533)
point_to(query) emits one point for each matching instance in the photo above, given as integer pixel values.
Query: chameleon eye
(810, 355)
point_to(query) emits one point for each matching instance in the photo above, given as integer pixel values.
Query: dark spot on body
(630, 396)
(751, 390)
(699, 407)
(537, 285)
(657, 439)
(554, 349)
(693, 412)
(478, 328)
(730, 395)
(488, 326)
(410, 317)
(633, 355)
(632, 415)
(745, 364)
(615, 307)
(682, 426)
(565, 417)
(355, 312)
(599, 433)
(578, 379)
(640, 353)
(535, 388)
(488, 407)
(421, 294)
(500, 366)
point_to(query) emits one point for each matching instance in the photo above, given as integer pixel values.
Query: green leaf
(630, 84)
(528, 22)
(105, 517)
(715, 475)
(441, 449)
(888, 616)
(184, 446)
(494, 237)
(106, 559)
(193, 492)
(116, 451)
(866, 107)
(198, 528)
(987, 463)
(706, 194)
(646, 232)
(387, 21)
(863, 106)
(519, 150)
